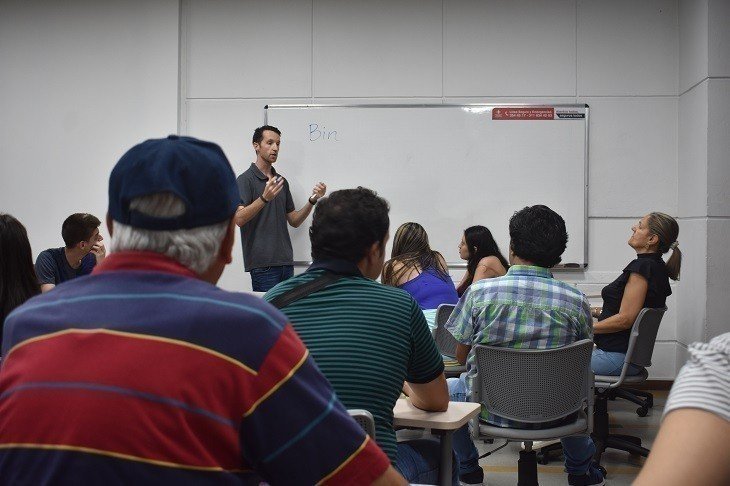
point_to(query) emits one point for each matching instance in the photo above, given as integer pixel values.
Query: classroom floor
(500, 469)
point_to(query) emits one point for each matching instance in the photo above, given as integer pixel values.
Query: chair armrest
(475, 397)
(591, 398)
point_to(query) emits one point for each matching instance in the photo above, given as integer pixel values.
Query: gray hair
(193, 248)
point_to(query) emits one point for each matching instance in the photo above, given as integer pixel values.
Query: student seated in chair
(643, 283)
(526, 308)
(83, 251)
(367, 338)
(419, 270)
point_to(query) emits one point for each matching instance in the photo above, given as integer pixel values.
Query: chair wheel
(542, 458)
(642, 411)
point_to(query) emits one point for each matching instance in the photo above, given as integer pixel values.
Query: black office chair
(641, 348)
(639, 353)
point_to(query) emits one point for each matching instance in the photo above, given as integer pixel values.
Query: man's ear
(109, 224)
(226, 251)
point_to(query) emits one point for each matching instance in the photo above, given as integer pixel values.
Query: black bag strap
(304, 290)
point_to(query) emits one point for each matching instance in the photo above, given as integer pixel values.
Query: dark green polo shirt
(366, 338)
(265, 239)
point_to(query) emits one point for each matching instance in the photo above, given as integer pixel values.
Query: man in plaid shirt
(527, 308)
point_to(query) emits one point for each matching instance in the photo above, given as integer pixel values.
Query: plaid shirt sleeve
(585, 321)
(460, 322)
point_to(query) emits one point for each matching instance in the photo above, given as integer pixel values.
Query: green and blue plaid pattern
(527, 308)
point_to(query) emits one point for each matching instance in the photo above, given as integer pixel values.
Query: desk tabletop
(458, 413)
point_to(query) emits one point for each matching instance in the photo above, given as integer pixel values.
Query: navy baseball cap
(196, 171)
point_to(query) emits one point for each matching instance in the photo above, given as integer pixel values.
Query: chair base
(644, 399)
(527, 469)
(601, 436)
(547, 453)
(626, 443)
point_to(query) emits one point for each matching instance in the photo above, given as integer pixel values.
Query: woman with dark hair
(484, 260)
(643, 283)
(418, 269)
(18, 281)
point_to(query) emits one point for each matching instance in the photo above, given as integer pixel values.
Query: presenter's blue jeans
(418, 462)
(264, 278)
(610, 363)
(578, 449)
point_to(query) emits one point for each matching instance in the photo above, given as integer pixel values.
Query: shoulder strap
(304, 290)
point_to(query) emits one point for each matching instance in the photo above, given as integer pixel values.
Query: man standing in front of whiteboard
(264, 214)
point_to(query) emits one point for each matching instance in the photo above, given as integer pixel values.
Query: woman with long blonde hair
(419, 270)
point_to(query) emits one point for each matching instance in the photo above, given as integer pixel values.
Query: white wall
(80, 82)
(619, 57)
(704, 170)
(83, 81)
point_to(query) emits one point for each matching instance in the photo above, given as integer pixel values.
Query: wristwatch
(312, 202)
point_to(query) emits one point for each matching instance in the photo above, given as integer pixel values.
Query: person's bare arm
(244, 214)
(462, 352)
(99, 251)
(296, 218)
(463, 284)
(46, 287)
(631, 304)
(390, 476)
(432, 396)
(690, 449)
(489, 267)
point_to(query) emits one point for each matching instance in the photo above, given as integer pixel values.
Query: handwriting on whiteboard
(318, 133)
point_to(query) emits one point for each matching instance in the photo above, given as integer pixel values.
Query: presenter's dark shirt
(650, 266)
(52, 267)
(265, 239)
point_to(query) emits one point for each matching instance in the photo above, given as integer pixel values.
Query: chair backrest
(534, 385)
(445, 342)
(643, 336)
(365, 420)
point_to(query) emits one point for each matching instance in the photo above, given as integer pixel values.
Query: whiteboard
(444, 166)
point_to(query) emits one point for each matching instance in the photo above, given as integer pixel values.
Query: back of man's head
(78, 227)
(174, 196)
(538, 235)
(347, 223)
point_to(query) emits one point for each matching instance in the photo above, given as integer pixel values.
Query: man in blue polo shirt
(83, 250)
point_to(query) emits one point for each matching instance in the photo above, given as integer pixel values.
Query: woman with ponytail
(418, 269)
(643, 283)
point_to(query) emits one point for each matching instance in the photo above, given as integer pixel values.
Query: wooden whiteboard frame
(471, 105)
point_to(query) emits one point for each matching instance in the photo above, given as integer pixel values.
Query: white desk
(443, 424)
